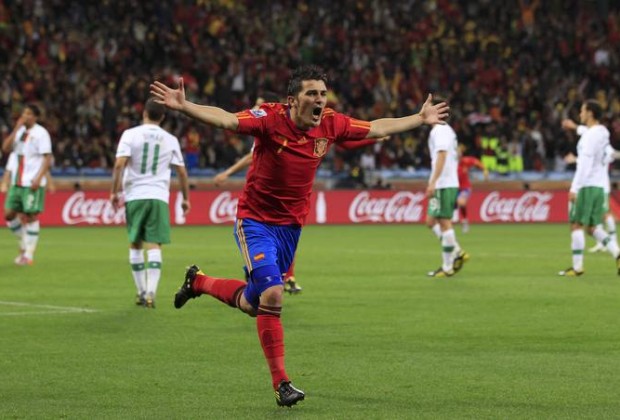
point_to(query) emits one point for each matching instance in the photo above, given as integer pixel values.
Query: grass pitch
(371, 337)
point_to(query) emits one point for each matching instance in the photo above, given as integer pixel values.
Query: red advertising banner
(78, 208)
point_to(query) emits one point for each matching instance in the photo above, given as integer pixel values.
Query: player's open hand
(434, 114)
(172, 98)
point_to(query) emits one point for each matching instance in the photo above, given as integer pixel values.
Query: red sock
(463, 211)
(226, 290)
(291, 271)
(271, 337)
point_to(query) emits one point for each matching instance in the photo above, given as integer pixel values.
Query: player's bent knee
(9, 215)
(272, 296)
(245, 306)
(31, 217)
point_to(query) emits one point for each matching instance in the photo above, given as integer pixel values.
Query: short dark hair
(35, 109)
(306, 72)
(269, 96)
(154, 110)
(595, 108)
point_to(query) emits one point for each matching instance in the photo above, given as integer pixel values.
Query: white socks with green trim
(448, 244)
(18, 230)
(578, 243)
(607, 240)
(136, 259)
(437, 230)
(153, 271)
(31, 238)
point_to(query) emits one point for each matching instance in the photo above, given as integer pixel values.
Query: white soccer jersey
(151, 151)
(443, 137)
(11, 163)
(592, 162)
(30, 147)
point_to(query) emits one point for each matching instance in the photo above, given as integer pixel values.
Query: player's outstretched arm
(175, 99)
(429, 114)
(242, 163)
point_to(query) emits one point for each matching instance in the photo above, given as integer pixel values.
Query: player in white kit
(442, 190)
(31, 146)
(144, 159)
(587, 192)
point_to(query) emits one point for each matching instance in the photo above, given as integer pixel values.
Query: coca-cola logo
(224, 208)
(403, 206)
(94, 211)
(532, 206)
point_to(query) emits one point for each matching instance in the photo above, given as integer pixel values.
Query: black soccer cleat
(570, 272)
(440, 273)
(186, 292)
(149, 302)
(287, 395)
(140, 299)
(618, 264)
(460, 260)
(291, 286)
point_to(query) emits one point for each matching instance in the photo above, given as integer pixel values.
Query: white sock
(17, 229)
(578, 242)
(153, 271)
(31, 238)
(448, 242)
(610, 224)
(603, 237)
(136, 259)
(437, 230)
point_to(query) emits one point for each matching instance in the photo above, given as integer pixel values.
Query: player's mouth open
(316, 113)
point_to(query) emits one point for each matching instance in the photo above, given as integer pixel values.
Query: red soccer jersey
(279, 182)
(465, 164)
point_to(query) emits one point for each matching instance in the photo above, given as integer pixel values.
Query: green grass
(371, 337)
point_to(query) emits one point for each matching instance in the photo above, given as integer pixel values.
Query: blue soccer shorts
(464, 193)
(268, 251)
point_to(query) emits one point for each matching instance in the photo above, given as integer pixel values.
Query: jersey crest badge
(320, 147)
(258, 113)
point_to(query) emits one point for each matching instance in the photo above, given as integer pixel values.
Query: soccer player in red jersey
(465, 164)
(290, 283)
(291, 140)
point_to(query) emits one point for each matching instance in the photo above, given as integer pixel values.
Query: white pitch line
(39, 313)
(54, 309)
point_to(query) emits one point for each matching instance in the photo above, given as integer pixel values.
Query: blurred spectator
(190, 144)
(507, 67)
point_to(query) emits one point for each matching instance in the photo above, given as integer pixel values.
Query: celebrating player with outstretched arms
(290, 142)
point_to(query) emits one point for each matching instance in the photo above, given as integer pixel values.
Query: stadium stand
(511, 73)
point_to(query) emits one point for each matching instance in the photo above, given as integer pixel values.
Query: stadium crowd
(511, 72)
